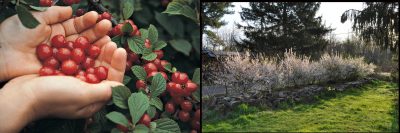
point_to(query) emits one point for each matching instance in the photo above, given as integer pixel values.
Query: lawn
(370, 108)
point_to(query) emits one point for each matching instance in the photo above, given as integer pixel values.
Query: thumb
(55, 14)
(101, 92)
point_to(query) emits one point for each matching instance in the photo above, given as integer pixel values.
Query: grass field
(371, 108)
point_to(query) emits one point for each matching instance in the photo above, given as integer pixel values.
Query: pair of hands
(27, 96)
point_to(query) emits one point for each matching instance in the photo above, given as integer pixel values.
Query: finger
(100, 92)
(79, 24)
(106, 55)
(95, 33)
(54, 14)
(102, 41)
(118, 64)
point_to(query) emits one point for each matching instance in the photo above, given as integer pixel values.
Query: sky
(330, 12)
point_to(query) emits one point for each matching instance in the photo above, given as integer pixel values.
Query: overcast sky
(330, 12)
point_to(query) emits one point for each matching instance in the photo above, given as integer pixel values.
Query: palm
(20, 43)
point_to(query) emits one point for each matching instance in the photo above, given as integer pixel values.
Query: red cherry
(91, 78)
(70, 45)
(122, 128)
(134, 30)
(170, 86)
(106, 15)
(78, 55)
(190, 86)
(157, 62)
(154, 73)
(132, 57)
(101, 72)
(175, 76)
(128, 66)
(82, 42)
(184, 116)
(88, 62)
(138, 33)
(159, 53)
(44, 51)
(80, 12)
(69, 2)
(163, 63)
(46, 71)
(69, 67)
(81, 77)
(195, 124)
(197, 115)
(186, 105)
(58, 41)
(181, 79)
(145, 120)
(93, 51)
(150, 67)
(45, 2)
(117, 30)
(63, 54)
(147, 43)
(170, 107)
(77, 1)
(90, 70)
(58, 73)
(51, 62)
(177, 100)
(55, 50)
(81, 72)
(140, 84)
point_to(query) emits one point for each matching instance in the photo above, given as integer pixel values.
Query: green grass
(371, 108)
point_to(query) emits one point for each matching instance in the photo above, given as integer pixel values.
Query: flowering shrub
(244, 71)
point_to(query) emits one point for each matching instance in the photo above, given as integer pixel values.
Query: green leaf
(136, 45)
(157, 103)
(138, 103)
(38, 8)
(118, 118)
(196, 95)
(196, 76)
(168, 67)
(153, 34)
(177, 8)
(139, 72)
(127, 9)
(151, 111)
(153, 126)
(182, 46)
(141, 129)
(115, 130)
(127, 28)
(26, 17)
(144, 33)
(159, 45)
(158, 85)
(149, 56)
(126, 79)
(167, 125)
(120, 95)
(117, 40)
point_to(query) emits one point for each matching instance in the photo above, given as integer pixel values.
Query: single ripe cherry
(81, 72)
(80, 12)
(163, 64)
(63, 54)
(147, 43)
(93, 51)
(51, 62)
(78, 55)
(140, 84)
(106, 15)
(69, 2)
(91, 78)
(45, 2)
(132, 57)
(186, 105)
(170, 86)
(88, 62)
(90, 70)
(58, 41)
(70, 45)
(69, 67)
(46, 71)
(81, 77)
(101, 72)
(44, 51)
(150, 67)
(184, 116)
(155, 72)
(159, 53)
(170, 107)
(190, 86)
(82, 42)
(117, 30)
(180, 78)
(145, 120)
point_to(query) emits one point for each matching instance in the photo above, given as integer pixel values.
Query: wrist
(17, 109)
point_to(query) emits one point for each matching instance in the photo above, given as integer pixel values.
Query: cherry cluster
(50, 2)
(71, 58)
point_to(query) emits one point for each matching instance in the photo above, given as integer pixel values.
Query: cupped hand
(18, 44)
